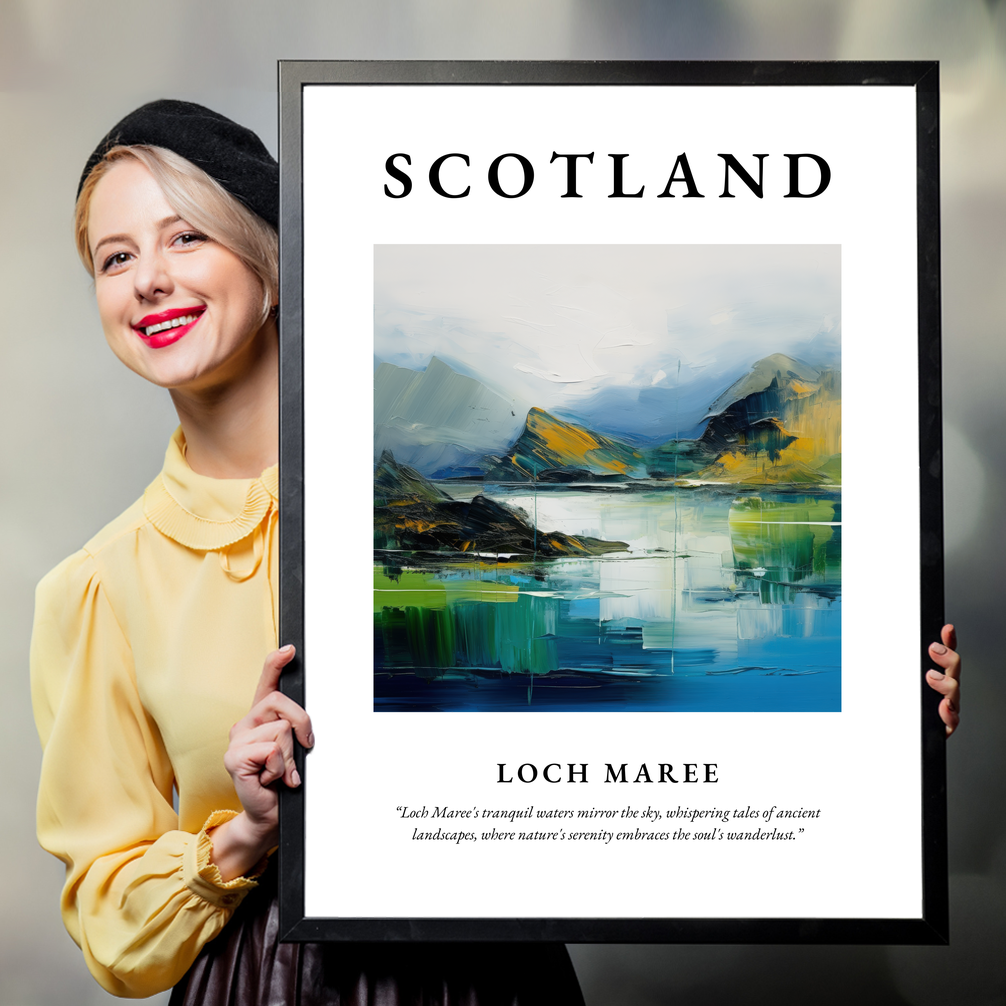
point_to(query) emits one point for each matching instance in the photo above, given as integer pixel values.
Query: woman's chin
(172, 374)
(197, 365)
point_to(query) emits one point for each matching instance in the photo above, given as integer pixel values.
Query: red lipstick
(165, 333)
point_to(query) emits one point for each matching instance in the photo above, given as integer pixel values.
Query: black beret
(231, 154)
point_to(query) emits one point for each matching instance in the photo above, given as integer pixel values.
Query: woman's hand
(947, 682)
(260, 753)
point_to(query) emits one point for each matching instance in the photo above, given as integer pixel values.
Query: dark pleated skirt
(246, 965)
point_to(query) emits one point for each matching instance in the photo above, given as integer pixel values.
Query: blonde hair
(199, 200)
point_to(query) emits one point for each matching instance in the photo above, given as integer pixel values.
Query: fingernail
(938, 648)
(310, 740)
(287, 649)
(936, 676)
(295, 777)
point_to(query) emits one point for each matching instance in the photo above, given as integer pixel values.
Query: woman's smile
(166, 327)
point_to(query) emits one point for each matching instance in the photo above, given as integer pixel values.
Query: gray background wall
(82, 436)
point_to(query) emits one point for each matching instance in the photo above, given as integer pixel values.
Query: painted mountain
(411, 513)
(438, 421)
(779, 424)
(551, 450)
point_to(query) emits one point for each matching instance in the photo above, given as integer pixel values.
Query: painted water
(724, 599)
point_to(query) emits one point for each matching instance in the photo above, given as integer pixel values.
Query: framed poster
(611, 608)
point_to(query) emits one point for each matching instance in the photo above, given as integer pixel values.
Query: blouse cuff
(202, 876)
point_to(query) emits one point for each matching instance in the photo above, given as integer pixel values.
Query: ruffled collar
(203, 513)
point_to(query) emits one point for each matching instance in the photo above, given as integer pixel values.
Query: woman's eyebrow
(160, 225)
(109, 240)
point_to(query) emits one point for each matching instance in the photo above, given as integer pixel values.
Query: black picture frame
(931, 926)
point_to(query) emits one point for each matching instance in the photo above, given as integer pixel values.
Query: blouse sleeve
(141, 898)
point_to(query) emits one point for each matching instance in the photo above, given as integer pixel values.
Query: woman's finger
(949, 636)
(273, 766)
(948, 659)
(950, 716)
(277, 706)
(271, 671)
(261, 760)
(949, 688)
(278, 732)
(944, 684)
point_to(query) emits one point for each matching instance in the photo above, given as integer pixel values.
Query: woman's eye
(114, 261)
(190, 238)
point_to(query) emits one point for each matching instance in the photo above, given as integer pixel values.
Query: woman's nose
(152, 277)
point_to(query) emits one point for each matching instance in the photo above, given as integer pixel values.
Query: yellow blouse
(147, 647)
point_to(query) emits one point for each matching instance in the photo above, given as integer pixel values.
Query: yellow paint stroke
(563, 438)
(803, 387)
(414, 524)
(568, 443)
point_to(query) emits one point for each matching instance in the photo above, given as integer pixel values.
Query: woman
(149, 643)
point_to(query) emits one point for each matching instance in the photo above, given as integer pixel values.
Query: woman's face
(177, 308)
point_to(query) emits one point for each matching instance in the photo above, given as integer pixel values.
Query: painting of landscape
(607, 477)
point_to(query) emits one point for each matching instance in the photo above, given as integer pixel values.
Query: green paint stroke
(417, 637)
(407, 590)
(423, 590)
(792, 541)
(466, 631)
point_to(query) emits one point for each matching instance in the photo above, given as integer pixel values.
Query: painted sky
(592, 331)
